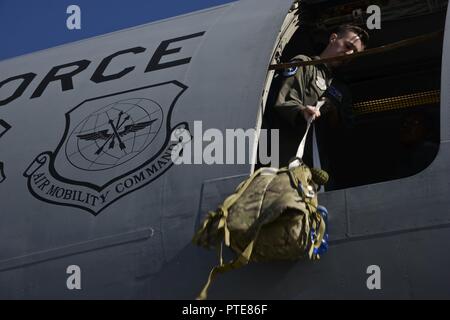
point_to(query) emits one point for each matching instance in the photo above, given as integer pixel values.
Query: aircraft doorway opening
(387, 125)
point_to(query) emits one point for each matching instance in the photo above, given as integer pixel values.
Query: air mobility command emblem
(112, 146)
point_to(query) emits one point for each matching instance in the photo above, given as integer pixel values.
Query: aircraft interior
(389, 127)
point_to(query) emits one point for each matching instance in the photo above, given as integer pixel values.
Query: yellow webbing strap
(230, 201)
(198, 235)
(239, 262)
(318, 225)
(223, 211)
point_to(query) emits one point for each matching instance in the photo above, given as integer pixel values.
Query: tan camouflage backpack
(271, 216)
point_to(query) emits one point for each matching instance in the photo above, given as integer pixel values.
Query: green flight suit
(299, 87)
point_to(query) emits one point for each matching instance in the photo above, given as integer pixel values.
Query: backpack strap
(222, 213)
(237, 263)
(301, 147)
(314, 219)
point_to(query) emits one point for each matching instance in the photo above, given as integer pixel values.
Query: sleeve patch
(290, 71)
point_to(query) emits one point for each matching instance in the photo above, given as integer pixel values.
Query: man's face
(345, 44)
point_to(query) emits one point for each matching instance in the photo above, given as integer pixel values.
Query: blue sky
(30, 25)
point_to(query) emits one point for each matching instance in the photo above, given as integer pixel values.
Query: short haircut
(360, 32)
